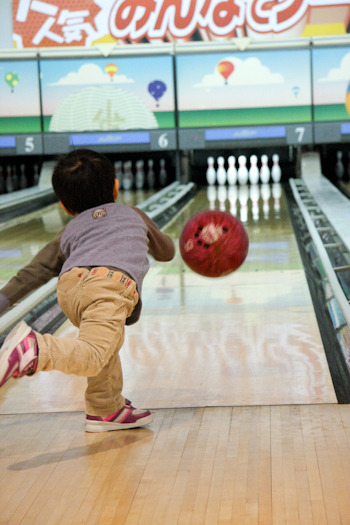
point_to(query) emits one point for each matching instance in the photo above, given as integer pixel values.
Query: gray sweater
(112, 235)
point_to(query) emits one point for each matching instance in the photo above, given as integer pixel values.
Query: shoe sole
(12, 340)
(105, 426)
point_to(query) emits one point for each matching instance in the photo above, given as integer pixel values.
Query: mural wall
(213, 89)
(19, 97)
(261, 87)
(119, 93)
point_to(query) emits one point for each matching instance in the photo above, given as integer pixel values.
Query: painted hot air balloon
(225, 68)
(11, 80)
(157, 89)
(347, 100)
(295, 90)
(111, 70)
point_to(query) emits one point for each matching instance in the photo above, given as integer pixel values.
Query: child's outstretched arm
(161, 246)
(46, 264)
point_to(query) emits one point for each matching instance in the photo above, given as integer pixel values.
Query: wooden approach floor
(247, 429)
(218, 465)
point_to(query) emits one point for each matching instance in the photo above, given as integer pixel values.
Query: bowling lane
(21, 238)
(250, 338)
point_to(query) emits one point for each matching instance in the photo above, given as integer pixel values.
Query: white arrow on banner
(106, 49)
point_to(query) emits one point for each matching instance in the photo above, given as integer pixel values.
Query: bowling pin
(232, 197)
(232, 170)
(8, 181)
(221, 172)
(243, 195)
(253, 170)
(140, 175)
(211, 173)
(36, 175)
(23, 183)
(15, 179)
(222, 196)
(211, 194)
(117, 168)
(128, 178)
(276, 194)
(254, 194)
(339, 167)
(163, 176)
(276, 171)
(264, 170)
(265, 194)
(242, 173)
(2, 180)
(151, 178)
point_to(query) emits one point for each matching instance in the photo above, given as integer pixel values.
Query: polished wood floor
(223, 465)
(246, 428)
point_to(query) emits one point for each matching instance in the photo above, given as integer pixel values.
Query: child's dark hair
(83, 179)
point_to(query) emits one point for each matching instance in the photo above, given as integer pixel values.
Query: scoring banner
(87, 22)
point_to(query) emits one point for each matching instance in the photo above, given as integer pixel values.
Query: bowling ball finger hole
(224, 230)
(205, 245)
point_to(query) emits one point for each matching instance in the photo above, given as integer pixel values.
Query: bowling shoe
(18, 354)
(126, 417)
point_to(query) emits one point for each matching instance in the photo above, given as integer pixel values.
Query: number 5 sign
(29, 145)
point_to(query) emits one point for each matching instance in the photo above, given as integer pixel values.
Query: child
(101, 260)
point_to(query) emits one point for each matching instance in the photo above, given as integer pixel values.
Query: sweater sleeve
(46, 264)
(161, 246)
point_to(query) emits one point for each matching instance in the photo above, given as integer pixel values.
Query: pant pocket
(68, 290)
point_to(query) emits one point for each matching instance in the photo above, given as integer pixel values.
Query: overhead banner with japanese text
(45, 23)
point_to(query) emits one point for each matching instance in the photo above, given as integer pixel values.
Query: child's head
(84, 179)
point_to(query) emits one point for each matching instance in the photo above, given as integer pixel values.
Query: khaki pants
(98, 301)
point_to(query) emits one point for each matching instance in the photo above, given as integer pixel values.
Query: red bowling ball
(214, 243)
